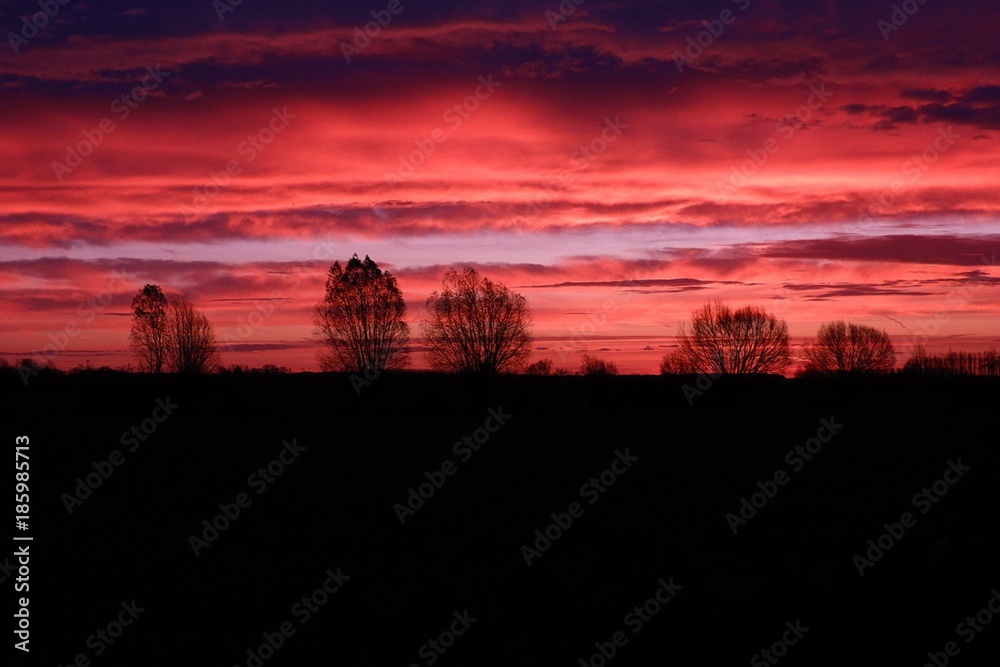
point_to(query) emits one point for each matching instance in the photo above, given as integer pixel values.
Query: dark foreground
(455, 573)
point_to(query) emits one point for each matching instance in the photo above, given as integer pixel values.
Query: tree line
(476, 325)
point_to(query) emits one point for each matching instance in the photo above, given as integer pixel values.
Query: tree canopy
(360, 319)
(476, 325)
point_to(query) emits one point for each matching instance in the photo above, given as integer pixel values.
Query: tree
(540, 367)
(741, 341)
(596, 366)
(360, 319)
(676, 363)
(477, 326)
(190, 341)
(149, 328)
(850, 348)
(952, 363)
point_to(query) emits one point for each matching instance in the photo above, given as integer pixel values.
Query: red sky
(616, 192)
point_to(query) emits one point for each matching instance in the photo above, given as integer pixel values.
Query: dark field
(664, 517)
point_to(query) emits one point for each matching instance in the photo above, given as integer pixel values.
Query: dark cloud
(266, 347)
(678, 284)
(949, 250)
(928, 95)
(978, 106)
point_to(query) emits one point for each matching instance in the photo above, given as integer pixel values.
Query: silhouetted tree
(745, 340)
(149, 329)
(28, 368)
(851, 348)
(676, 363)
(360, 319)
(595, 366)
(952, 363)
(540, 367)
(990, 363)
(190, 341)
(266, 369)
(477, 326)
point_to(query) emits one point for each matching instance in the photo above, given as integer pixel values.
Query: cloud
(978, 106)
(909, 248)
(713, 188)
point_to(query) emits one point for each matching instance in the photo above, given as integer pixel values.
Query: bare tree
(851, 348)
(952, 363)
(149, 328)
(676, 363)
(190, 341)
(360, 319)
(596, 366)
(540, 367)
(741, 341)
(477, 326)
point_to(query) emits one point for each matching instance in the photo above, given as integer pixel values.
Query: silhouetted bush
(540, 367)
(676, 363)
(594, 366)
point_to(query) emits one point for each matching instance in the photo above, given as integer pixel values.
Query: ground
(330, 513)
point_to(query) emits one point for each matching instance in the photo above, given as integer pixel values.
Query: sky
(619, 163)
